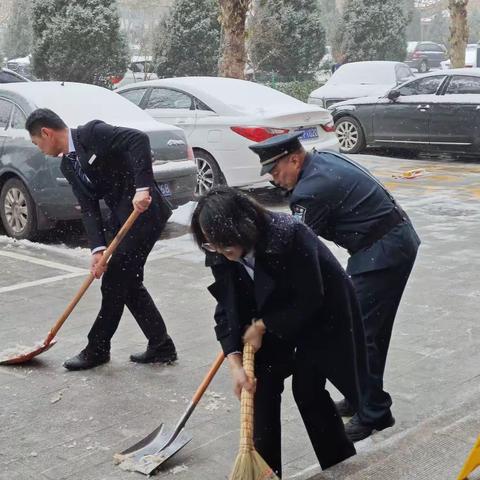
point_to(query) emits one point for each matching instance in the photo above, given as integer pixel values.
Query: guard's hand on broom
(254, 334)
(239, 377)
(96, 268)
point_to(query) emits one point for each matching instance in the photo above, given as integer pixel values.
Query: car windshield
(363, 74)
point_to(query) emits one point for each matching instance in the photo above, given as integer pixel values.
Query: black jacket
(342, 202)
(117, 161)
(299, 290)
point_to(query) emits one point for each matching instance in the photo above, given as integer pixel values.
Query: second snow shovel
(24, 354)
(148, 454)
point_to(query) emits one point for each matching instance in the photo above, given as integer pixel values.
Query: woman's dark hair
(226, 217)
(43, 118)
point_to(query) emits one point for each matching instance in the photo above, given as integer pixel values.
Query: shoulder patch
(298, 211)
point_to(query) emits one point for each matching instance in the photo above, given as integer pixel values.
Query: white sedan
(360, 79)
(223, 116)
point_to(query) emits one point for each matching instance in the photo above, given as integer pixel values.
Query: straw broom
(249, 465)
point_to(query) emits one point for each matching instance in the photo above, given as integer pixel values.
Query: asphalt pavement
(56, 424)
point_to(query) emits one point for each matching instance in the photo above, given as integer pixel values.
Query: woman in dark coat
(270, 267)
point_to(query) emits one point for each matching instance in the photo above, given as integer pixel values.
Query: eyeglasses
(209, 247)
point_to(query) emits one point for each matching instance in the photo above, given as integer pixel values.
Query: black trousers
(267, 425)
(322, 421)
(122, 285)
(323, 424)
(379, 293)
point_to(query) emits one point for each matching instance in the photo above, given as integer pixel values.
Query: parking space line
(42, 281)
(44, 263)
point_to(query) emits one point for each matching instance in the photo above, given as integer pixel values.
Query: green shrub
(297, 89)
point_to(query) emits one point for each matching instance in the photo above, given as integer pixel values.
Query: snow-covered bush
(373, 30)
(78, 40)
(188, 39)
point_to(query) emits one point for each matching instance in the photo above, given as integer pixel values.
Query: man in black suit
(343, 202)
(101, 161)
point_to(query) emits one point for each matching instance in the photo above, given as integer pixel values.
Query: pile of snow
(183, 215)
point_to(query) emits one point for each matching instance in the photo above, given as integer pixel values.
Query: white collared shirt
(71, 145)
(248, 262)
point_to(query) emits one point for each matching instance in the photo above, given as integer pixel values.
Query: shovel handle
(197, 395)
(88, 281)
(208, 378)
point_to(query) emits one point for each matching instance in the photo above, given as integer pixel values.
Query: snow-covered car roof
(229, 96)
(473, 72)
(79, 103)
(373, 73)
(20, 60)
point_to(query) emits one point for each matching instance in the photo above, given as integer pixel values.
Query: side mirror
(393, 95)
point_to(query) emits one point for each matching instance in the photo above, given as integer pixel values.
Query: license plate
(165, 189)
(308, 133)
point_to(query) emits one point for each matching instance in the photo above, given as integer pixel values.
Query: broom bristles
(251, 466)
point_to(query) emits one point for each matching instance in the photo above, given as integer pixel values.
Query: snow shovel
(155, 449)
(24, 354)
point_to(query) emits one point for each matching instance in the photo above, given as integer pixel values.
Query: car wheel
(423, 67)
(17, 210)
(350, 135)
(209, 174)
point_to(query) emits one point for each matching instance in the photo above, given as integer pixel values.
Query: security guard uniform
(342, 202)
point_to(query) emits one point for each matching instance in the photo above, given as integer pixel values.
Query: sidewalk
(435, 449)
(59, 425)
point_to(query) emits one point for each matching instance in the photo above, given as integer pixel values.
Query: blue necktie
(72, 157)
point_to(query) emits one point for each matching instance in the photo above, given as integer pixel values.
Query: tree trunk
(458, 32)
(233, 14)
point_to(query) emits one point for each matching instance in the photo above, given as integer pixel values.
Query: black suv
(424, 55)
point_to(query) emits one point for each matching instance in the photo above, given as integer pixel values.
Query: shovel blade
(145, 443)
(151, 452)
(26, 354)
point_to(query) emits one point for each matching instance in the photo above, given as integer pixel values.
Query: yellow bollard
(472, 462)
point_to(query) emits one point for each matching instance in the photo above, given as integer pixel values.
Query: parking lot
(67, 425)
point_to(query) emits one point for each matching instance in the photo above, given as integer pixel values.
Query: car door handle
(423, 108)
(478, 107)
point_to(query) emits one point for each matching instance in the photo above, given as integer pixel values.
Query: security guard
(342, 202)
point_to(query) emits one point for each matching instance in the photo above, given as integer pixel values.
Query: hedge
(296, 89)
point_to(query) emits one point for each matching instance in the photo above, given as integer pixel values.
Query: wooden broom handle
(88, 281)
(246, 402)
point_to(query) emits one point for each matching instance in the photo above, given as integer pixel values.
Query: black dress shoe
(87, 359)
(344, 408)
(356, 430)
(163, 353)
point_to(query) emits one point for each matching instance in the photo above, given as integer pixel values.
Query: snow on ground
(183, 215)
(42, 248)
